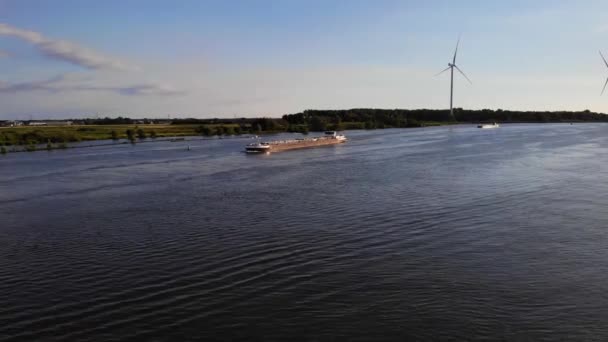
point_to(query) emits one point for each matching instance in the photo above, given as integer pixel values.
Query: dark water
(430, 233)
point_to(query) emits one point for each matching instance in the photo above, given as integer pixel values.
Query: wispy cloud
(71, 83)
(46, 85)
(146, 89)
(75, 54)
(64, 50)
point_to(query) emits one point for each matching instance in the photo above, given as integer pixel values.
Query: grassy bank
(36, 135)
(36, 138)
(60, 135)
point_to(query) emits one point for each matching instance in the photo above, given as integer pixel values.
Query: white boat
(261, 147)
(492, 125)
(335, 135)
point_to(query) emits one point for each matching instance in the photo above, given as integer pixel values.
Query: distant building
(12, 123)
(50, 123)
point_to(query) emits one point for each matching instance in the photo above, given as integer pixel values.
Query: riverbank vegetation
(310, 120)
(36, 135)
(366, 118)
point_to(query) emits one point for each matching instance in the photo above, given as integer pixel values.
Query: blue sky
(250, 58)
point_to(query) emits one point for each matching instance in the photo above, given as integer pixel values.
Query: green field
(28, 135)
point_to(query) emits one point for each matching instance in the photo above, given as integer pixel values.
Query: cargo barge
(329, 138)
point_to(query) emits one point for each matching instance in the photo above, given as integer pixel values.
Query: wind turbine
(451, 67)
(605, 84)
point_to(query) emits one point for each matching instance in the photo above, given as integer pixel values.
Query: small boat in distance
(492, 125)
(334, 135)
(329, 138)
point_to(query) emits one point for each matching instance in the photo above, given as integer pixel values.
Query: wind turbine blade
(604, 59)
(605, 84)
(442, 71)
(456, 51)
(465, 76)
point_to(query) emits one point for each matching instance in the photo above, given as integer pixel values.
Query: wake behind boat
(329, 138)
(492, 125)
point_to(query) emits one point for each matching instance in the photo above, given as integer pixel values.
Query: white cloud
(64, 50)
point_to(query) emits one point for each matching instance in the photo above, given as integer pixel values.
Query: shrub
(141, 134)
(228, 130)
(204, 130)
(130, 135)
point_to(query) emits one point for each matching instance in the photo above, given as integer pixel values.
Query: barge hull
(304, 144)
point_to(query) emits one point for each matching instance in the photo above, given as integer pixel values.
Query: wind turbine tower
(605, 84)
(451, 67)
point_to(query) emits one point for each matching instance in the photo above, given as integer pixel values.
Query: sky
(198, 58)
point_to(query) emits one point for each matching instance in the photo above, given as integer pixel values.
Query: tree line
(373, 118)
(370, 118)
(358, 118)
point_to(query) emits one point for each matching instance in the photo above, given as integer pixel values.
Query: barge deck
(329, 138)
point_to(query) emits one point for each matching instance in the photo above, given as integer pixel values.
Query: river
(430, 233)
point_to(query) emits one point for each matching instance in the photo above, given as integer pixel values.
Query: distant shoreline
(37, 138)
